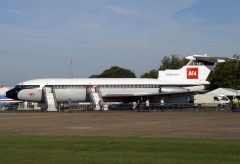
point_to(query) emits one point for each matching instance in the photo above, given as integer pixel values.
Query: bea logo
(31, 94)
(192, 73)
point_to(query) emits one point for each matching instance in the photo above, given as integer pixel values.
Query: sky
(39, 39)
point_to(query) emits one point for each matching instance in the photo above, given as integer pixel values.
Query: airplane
(6, 102)
(189, 79)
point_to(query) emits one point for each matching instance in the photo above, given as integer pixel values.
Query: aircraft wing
(162, 94)
(135, 97)
(147, 94)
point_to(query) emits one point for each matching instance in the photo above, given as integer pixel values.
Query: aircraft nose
(12, 94)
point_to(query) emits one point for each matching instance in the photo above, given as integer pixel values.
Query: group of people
(144, 105)
(140, 104)
(235, 104)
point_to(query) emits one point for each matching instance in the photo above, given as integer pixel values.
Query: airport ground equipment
(95, 97)
(211, 100)
(50, 99)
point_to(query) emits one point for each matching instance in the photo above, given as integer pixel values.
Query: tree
(173, 62)
(151, 74)
(225, 75)
(94, 76)
(115, 72)
(236, 56)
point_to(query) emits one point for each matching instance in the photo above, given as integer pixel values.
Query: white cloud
(161, 10)
(13, 11)
(165, 10)
(122, 10)
(181, 5)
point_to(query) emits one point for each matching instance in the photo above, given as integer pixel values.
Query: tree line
(225, 75)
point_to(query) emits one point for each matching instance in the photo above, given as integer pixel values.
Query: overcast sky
(38, 39)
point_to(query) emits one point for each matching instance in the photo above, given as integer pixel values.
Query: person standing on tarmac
(162, 102)
(138, 105)
(235, 104)
(101, 104)
(147, 103)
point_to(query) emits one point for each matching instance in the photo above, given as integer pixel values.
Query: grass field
(53, 149)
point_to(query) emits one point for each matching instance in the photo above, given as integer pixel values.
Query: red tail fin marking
(192, 73)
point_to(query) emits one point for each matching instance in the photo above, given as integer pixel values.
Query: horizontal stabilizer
(210, 59)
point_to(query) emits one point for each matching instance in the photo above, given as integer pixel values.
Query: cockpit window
(18, 87)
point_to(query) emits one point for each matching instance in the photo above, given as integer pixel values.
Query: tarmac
(212, 125)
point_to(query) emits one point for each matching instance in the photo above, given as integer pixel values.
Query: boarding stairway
(50, 99)
(95, 97)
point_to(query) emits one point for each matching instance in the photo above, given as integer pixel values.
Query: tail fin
(196, 70)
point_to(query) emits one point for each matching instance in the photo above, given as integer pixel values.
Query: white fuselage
(111, 88)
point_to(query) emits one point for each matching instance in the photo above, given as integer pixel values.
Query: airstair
(50, 99)
(96, 97)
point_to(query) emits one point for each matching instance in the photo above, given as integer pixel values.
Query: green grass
(57, 150)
